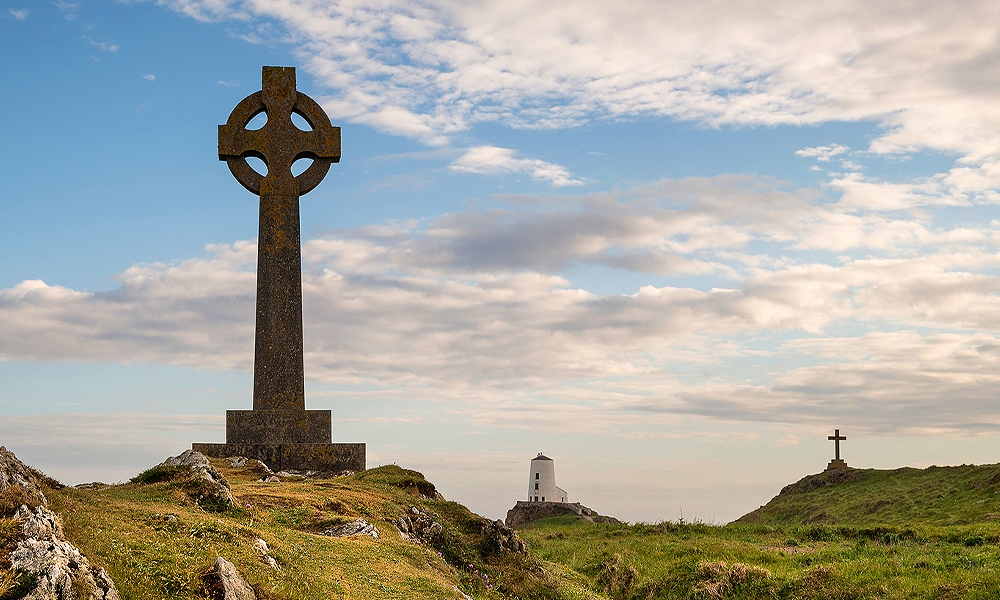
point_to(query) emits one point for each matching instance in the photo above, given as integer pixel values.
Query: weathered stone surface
(524, 512)
(419, 527)
(63, 572)
(233, 585)
(278, 426)
(328, 458)
(265, 554)
(211, 489)
(500, 539)
(19, 484)
(357, 527)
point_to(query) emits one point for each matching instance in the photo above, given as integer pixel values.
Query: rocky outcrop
(500, 539)
(829, 477)
(20, 484)
(356, 527)
(207, 487)
(417, 526)
(265, 554)
(523, 512)
(62, 571)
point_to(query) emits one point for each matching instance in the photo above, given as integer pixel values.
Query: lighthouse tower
(542, 481)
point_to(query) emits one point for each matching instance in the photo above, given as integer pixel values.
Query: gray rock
(265, 554)
(500, 539)
(63, 572)
(418, 526)
(358, 527)
(16, 474)
(233, 585)
(214, 491)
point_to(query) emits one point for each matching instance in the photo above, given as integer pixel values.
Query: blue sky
(670, 244)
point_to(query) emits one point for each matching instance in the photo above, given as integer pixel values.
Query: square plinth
(300, 457)
(836, 463)
(269, 427)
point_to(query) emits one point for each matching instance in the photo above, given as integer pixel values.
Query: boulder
(62, 571)
(208, 488)
(500, 539)
(234, 587)
(20, 484)
(418, 527)
(357, 527)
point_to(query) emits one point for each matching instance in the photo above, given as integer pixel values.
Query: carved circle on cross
(279, 143)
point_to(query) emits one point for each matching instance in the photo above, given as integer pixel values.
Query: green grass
(934, 496)
(693, 560)
(905, 533)
(156, 542)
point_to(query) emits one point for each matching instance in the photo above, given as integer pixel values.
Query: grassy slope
(933, 496)
(906, 533)
(125, 528)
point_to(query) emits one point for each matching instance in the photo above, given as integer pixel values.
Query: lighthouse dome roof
(541, 457)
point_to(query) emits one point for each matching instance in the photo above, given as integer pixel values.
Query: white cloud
(68, 9)
(490, 159)
(149, 77)
(472, 309)
(103, 46)
(823, 153)
(926, 72)
(230, 83)
(19, 14)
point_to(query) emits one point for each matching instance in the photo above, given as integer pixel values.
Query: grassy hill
(855, 534)
(905, 533)
(961, 495)
(157, 538)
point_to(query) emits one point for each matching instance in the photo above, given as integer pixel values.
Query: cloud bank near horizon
(800, 310)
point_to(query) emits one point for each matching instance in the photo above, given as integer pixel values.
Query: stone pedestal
(301, 457)
(836, 463)
(286, 439)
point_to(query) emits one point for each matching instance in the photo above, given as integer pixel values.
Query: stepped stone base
(300, 457)
(837, 463)
(271, 427)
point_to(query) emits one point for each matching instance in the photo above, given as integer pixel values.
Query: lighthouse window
(543, 498)
(536, 486)
(536, 475)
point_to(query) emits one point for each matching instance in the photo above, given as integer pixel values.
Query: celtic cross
(278, 377)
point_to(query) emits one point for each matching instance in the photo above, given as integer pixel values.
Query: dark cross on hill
(836, 437)
(278, 379)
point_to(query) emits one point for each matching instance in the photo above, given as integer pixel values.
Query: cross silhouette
(278, 377)
(836, 437)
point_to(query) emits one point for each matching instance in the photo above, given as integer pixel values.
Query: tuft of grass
(159, 474)
(14, 496)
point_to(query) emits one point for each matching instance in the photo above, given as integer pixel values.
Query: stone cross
(836, 438)
(278, 378)
(279, 430)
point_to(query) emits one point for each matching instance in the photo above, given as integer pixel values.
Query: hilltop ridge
(955, 495)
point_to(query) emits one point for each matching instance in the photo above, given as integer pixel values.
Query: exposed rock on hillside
(419, 527)
(356, 527)
(60, 570)
(831, 477)
(203, 483)
(524, 512)
(500, 539)
(20, 484)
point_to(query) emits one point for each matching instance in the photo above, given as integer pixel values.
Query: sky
(671, 245)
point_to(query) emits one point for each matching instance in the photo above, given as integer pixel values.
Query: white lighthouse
(542, 481)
